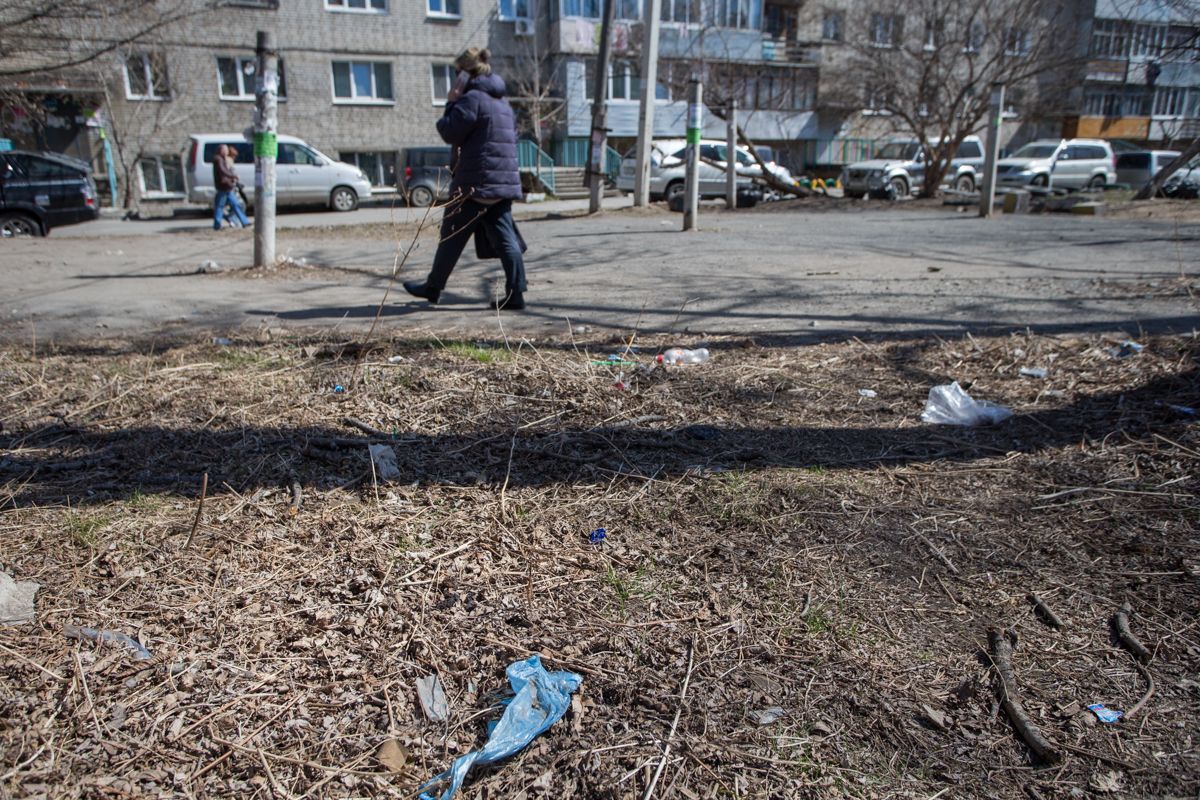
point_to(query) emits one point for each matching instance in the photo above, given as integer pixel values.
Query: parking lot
(798, 270)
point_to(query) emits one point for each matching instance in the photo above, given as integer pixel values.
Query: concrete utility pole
(987, 192)
(650, 24)
(266, 148)
(695, 123)
(599, 112)
(731, 161)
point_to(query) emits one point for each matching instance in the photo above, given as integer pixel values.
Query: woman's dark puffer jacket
(481, 127)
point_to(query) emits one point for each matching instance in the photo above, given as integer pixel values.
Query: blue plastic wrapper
(1106, 714)
(597, 536)
(540, 700)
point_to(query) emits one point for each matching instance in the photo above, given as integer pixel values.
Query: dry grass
(823, 552)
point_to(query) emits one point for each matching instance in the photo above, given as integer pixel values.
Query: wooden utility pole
(266, 148)
(599, 141)
(650, 24)
(987, 192)
(695, 123)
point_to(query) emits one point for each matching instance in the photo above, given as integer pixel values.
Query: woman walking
(479, 126)
(226, 182)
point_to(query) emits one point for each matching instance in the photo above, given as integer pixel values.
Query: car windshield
(905, 151)
(1035, 151)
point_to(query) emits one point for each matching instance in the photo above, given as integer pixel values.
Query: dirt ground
(795, 590)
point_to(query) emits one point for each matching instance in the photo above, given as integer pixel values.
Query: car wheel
(899, 186)
(14, 225)
(1096, 183)
(420, 196)
(343, 198)
(1039, 180)
(964, 183)
(675, 189)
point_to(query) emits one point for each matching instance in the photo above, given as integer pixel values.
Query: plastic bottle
(678, 355)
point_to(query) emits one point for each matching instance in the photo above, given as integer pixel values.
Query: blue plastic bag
(540, 699)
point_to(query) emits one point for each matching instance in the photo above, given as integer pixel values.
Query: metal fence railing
(574, 153)
(536, 161)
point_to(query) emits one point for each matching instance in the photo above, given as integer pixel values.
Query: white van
(303, 174)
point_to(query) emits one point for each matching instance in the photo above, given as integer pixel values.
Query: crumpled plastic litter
(433, 698)
(540, 699)
(140, 653)
(950, 405)
(16, 600)
(384, 459)
(1033, 372)
(1105, 714)
(1127, 349)
(597, 536)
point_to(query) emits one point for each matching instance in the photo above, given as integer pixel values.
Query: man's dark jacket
(481, 128)
(224, 178)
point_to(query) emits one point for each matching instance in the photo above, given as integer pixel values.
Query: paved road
(789, 274)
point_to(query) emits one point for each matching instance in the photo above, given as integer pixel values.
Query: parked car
(303, 174)
(1137, 168)
(1184, 184)
(668, 169)
(39, 191)
(899, 166)
(425, 174)
(1065, 163)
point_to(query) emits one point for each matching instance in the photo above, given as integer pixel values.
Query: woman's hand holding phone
(460, 84)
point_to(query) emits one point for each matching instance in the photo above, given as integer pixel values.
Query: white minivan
(303, 174)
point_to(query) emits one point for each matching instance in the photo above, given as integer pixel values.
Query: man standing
(226, 181)
(479, 126)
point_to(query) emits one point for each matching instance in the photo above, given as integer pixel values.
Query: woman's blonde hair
(474, 61)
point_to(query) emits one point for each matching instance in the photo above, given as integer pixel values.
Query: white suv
(900, 166)
(668, 170)
(1065, 163)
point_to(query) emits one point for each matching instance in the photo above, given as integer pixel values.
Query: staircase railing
(574, 153)
(535, 161)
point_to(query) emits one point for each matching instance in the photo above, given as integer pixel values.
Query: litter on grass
(383, 458)
(1033, 372)
(597, 536)
(1105, 714)
(1127, 349)
(140, 653)
(433, 698)
(950, 405)
(16, 600)
(540, 699)
(868, 393)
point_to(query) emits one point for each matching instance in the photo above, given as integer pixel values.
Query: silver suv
(1065, 163)
(899, 166)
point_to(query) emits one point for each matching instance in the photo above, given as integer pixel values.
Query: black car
(39, 191)
(424, 174)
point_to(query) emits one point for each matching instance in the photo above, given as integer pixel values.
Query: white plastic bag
(950, 405)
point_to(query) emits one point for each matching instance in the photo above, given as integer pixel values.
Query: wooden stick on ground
(1045, 612)
(199, 511)
(675, 723)
(1126, 637)
(1002, 650)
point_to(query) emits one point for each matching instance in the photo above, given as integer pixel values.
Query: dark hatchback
(40, 191)
(424, 175)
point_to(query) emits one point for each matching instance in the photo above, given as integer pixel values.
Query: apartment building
(1142, 78)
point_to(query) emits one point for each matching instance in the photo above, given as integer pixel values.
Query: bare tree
(927, 66)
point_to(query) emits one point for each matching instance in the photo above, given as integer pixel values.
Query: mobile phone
(460, 80)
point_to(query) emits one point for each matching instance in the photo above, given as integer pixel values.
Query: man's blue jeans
(497, 224)
(230, 197)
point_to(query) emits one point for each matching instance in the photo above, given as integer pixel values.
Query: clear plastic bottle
(679, 355)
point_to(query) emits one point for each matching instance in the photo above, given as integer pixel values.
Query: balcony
(787, 51)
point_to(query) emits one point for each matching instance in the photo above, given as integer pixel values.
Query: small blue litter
(140, 653)
(597, 536)
(338, 388)
(1106, 714)
(540, 699)
(1127, 349)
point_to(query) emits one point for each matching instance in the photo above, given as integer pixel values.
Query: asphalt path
(792, 275)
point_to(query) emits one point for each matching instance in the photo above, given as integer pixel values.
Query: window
(832, 25)
(624, 81)
(969, 150)
(627, 9)
(1170, 101)
(1110, 38)
(379, 166)
(1133, 101)
(514, 9)
(1182, 43)
(745, 14)
(362, 6)
(236, 77)
(36, 168)
(297, 154)
(267, 4)
(244, 151)
(1148, 41)
(362, 82)
(935, 33)
(146, 77)
(683, 11)
(161, 176)
(443, 80)
(976, 36)
(1016, 42)
(445, 8)
(581, 8)
(877, 100)
(886, 29)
